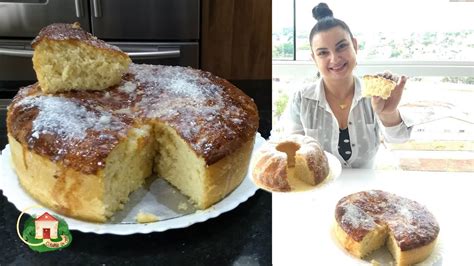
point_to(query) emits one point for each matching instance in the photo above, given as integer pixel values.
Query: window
(282, 30)
(432, 42)
(425, 30)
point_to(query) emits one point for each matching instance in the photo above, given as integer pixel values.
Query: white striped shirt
(309, 113)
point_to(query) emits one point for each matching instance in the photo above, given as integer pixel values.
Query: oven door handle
(16, 52)
(154, 55)
(133, 55)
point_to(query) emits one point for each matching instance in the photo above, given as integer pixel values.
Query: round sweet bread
(367, 220)
(81, 153)
(280, 164)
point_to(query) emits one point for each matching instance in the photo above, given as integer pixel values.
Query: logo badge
(44, 232)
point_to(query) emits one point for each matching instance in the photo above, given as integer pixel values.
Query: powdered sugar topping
(63, 31)
(356, 218)
(203, 109)
(191, 98)
(64, 117)
(127, 87)
(410, 223)
(179, 81)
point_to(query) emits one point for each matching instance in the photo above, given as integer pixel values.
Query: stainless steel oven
(151, 31)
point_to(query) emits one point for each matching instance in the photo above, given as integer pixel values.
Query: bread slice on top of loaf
(68, 58)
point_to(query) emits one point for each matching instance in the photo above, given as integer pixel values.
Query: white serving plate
(146, 199)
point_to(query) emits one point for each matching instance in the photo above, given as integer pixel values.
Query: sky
(382, 15)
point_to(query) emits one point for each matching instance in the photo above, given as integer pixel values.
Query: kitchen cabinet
(236, 38)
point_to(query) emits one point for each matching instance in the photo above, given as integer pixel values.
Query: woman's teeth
(337, 68)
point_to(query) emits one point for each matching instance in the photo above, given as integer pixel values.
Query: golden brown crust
(86, 154)
(386, 75)
(316, 160)
(209, 113)
(72, 33)
(66, 191)
(411, 224)
(270, 172)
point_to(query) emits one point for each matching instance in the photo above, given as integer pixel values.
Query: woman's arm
(387, 110)
(394, 127)
(390, 119)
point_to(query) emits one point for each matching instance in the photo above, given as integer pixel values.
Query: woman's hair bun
(321, 11)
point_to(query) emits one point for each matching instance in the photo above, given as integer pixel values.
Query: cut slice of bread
(377, 85)
(68, 58)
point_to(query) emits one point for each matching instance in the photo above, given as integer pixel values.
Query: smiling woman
(322, 109)
(437, 55)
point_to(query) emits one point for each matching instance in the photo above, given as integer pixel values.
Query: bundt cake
(370, 219)
(280, 164)
(81, 153)
(66, 57)
(379, 85)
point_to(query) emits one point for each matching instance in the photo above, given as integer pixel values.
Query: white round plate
(15, 194)
(335, 170)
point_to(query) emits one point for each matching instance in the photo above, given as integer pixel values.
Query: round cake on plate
(290, 158)
(82, 150)
(95, 126)
(82, 153)
(367, 220)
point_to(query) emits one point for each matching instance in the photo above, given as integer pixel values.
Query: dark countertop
(241, 236)
(238, 237)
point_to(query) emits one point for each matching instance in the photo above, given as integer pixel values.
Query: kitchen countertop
(302, 222)
(239, 237)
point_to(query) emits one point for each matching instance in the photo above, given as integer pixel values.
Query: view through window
(432, 42)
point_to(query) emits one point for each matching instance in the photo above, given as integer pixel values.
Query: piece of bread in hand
(379, 85)
(68, 58)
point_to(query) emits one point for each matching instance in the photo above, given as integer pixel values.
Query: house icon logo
(44, 232)
(46, 227)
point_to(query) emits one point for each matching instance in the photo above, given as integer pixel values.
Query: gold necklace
(343, 106)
